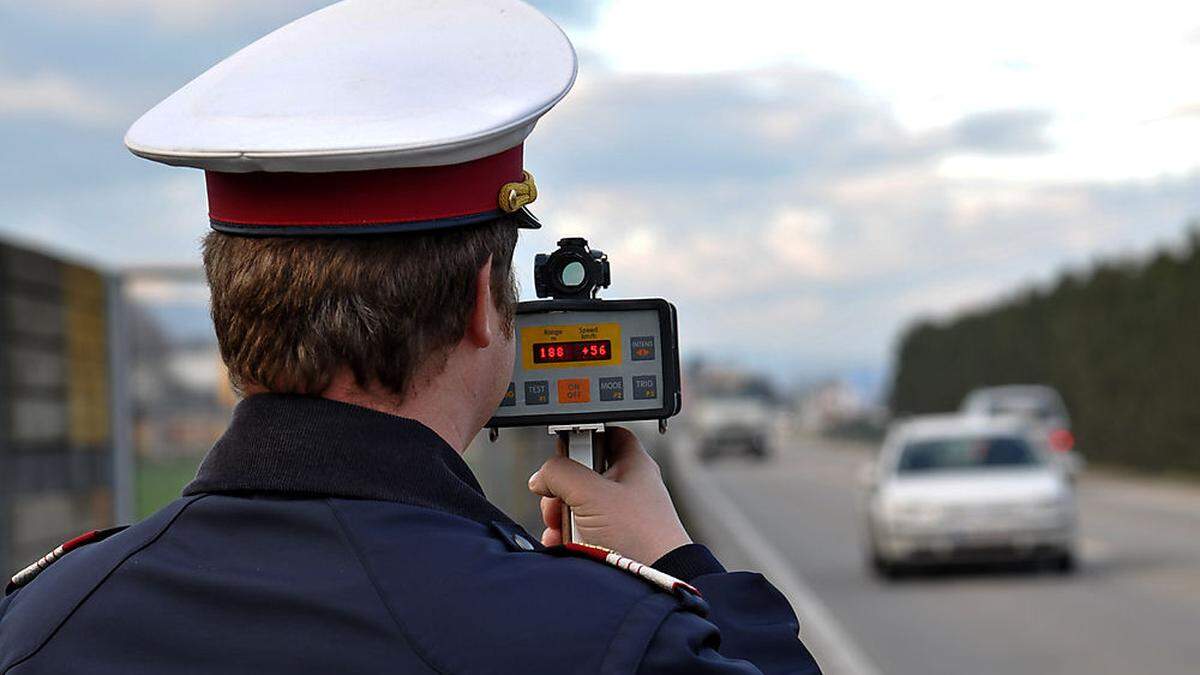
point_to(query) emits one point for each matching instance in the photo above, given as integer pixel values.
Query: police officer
(366, 184)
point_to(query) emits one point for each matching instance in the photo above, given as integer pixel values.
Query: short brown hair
(290, 311)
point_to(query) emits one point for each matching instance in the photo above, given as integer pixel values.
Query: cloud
(747, 128)
(190, 15)
(1004, 131)
(1191, 110)
(54, 95)
(787, 212)
(573, 13)
(144, 218)
(743, 127)
(183, 14)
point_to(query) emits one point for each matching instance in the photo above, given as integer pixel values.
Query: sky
(804, 180)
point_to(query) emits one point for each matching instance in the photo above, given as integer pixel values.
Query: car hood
(975, 487)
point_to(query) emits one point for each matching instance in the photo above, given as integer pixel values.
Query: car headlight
(1046, 506)
(915, 512)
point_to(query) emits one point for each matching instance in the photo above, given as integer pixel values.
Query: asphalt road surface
(1132, 607)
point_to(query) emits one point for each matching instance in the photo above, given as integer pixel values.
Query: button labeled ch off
(574, 391)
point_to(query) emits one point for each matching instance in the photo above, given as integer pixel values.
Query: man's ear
(480, 322)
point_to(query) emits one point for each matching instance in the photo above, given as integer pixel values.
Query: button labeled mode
(612, 389)
(574, 390)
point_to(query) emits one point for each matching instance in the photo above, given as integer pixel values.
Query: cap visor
(526, 220)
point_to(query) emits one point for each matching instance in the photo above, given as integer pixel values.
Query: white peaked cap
(368, 84)
(369, 115)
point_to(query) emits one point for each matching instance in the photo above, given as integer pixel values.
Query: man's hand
(627, 509)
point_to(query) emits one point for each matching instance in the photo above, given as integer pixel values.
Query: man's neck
(430, 403)
(421, 409)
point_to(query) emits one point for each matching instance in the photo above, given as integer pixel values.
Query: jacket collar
(303, 445)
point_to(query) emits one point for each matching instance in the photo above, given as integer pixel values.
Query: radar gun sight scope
(573, 272)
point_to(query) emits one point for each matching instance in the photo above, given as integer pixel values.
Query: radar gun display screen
(590, 361)
(571, 352)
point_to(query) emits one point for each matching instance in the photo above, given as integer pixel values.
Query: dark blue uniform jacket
(320, 537)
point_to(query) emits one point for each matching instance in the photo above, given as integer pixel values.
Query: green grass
(159, 482)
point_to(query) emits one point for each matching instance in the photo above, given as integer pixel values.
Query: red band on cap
(358, 198)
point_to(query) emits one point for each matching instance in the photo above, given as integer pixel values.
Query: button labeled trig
(510, 396)
(645, 387)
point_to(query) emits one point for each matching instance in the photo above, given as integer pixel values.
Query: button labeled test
(537, 393)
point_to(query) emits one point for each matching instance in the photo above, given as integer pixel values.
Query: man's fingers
(623, 446)
(566, 479)
(625, 452)
(552, 512)
(551, 537)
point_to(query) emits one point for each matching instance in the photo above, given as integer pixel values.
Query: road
(1133, 606)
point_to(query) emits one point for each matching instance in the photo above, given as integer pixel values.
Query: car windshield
(1025, 407)
(968, 452)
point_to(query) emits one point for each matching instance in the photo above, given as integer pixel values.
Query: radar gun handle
(580, 444)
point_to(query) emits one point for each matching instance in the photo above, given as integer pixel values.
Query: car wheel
(881, 566)
(1063, 563)
(885, 569)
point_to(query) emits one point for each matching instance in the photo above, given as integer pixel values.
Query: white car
(967, 488)
(733, 414)
(733, 425)
(1038, 404)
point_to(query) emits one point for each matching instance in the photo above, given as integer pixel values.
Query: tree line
(1120, 342)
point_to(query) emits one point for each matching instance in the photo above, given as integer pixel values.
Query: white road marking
(840, 654)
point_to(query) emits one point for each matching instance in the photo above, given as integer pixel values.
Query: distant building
(181, 395)
(828, 405)
(56, 431)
